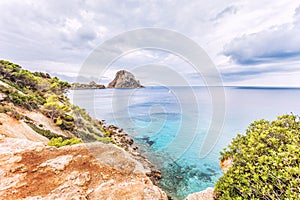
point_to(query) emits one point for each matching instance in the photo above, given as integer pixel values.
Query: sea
(183, 129)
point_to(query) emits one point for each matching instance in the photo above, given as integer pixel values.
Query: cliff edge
(32, 170)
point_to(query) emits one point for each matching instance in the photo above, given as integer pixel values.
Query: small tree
(53, 107)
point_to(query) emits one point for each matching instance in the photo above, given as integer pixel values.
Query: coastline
(127, 143)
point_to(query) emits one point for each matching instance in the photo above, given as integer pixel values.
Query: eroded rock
(32, 170)
(207, 194)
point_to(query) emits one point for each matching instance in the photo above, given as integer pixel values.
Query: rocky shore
(33, 170)
(123, 140)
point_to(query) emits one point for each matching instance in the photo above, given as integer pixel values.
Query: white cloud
(276, 43)
(63, 33)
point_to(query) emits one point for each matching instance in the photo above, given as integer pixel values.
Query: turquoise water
(170, 125)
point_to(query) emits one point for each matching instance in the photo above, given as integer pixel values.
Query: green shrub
(26, 101)
(4, 109)
(13, 113)
(266, 162)
(67, 125)
(85, 136)
(46, 133)
(59, 142)
(58, 121)
(68, 118)
(106, 133)
(106, 140)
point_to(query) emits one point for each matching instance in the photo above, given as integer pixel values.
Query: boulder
(207, 194)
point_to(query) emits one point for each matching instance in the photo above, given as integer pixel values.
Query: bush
(46, 133)
(59, 142)
(8, 110)
(106, 140)
(266, 162)
(4, 109)
(67, 125)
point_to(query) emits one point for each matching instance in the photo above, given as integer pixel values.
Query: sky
(251, 43)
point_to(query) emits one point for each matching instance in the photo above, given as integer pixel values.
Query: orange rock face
(32, 170)
(226, 164)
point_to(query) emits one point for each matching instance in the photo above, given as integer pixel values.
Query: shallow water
(170, 124)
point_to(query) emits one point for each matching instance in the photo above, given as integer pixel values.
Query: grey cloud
(277, 43)
(246, 73)
(40, 28)
(42, 31)
(32, 30)
(86, 33)
(227, 11)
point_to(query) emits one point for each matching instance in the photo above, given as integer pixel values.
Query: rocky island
(124, 79)
(82, 86)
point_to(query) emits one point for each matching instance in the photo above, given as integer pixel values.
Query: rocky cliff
(32, 170)
(124, 79)
(34, 112)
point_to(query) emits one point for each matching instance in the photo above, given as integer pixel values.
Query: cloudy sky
(250, 42)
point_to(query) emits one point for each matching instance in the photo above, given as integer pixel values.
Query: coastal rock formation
(32, 170)
(207, 194)
(91, 85)
(124, 79)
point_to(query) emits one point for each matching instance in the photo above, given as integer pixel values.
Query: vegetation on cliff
(266, 162)
(59, 142)
(40, 92)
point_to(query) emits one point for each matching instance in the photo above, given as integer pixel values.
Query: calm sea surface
(170, 124)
